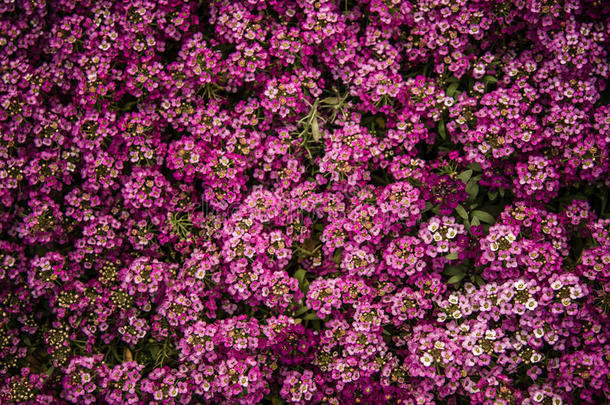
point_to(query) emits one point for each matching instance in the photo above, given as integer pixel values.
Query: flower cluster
(314, 201)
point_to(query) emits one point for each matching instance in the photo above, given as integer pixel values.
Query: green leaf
(465, 176)
(483, 216)
(474, 166)
(456, 279)
(492, 195)
(300, 275)
(302, 309)
(330, 100)
(461, 211)
(452, 256)
(337, 255)
(475, 222)
(442, 131)
(472, 188)
(315, 129)
(154, 351)
(303, 283)
(318, 227)
(454, 270)
(311, 317)
(490, 80)
(452, 89)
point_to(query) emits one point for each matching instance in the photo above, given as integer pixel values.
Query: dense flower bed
(304, 201)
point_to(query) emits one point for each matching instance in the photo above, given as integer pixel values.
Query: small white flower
(536, 357)
(426, 359)
(576, 292)
(477, 350)
(538, 397)
(531, 304)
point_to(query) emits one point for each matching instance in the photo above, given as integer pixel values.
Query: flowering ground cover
(304, 201)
